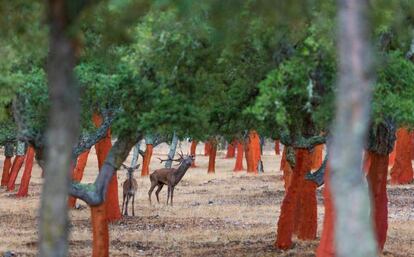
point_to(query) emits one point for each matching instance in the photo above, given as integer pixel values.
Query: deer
(169, 176)
(130, 187)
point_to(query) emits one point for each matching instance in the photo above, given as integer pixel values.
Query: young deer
(130, 187)
(169, 177)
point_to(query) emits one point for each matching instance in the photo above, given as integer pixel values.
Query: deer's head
(182, 159)
(130, 170)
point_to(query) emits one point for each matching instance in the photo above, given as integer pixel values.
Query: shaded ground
(224, 214)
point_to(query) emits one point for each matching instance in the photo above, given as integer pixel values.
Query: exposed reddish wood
(77, 174)
(6, 171)
(24, 184)
(402, 171)
(17, 164)
(193, 152)
(147, 160)
(239, 157)
(212, 157)
(100, 232)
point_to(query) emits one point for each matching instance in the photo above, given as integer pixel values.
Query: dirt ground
(221, 214)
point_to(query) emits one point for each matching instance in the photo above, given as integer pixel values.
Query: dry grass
(224, 214)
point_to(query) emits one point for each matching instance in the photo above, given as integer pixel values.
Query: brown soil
(221, 214)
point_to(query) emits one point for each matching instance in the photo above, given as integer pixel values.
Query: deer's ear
(124, 166)
(137, 166)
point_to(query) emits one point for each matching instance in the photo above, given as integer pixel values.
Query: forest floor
(221, 214)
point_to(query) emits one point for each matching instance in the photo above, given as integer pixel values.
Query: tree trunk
(147, 160)
(286, 169)
(113, 213)
(27, 173)
(402, 171)
(212, 156)
(299, 205)
(317, 157)
(17, 164)
(193, 152)
(253, 152)
(391, 161)
(366, 162)
(100, 232)
(326, 246)
(62, 132)
(135, 154)
(6, 168)
(171, 153)
(355, 77)
(207, 148)
(8, 154)
(77, 174)
(231, 150)
(239, 157)
(277, 147)
(377, 180)
(412, 144)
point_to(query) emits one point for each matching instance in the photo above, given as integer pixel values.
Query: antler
(169, 159)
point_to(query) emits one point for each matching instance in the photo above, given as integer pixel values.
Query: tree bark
(326, 246)
(350, 193)
(171, 153)
(317, 157)
(239, 157)
(113, 213)
(377, 180)
(253, 152)
(298, 209)
(62, 132)
(207, 147)
(391, 161)
(402, 171)
(24, 184)
(193, 152)
(277, 147)
(8, 154)
(77, 174)
(212, 156)
(17, 164)
(231, 150)
(100, 232)
(135, 155)
(147, 160)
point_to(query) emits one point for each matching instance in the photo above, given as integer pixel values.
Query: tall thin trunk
(277, 147)
(231, 150)
(135, 154)
(171, 153)
(77, 174)
(193, 149)
(377, 179)
(350, 193)
(17, 164)
(317, 157)
(103, 147)
(212, 156)
(100, 231)
(326, 246)
(402, 171)
(147, 160)
(8, 154)
(238, 166)
(62, 132)
(24, 184)
(207, 148)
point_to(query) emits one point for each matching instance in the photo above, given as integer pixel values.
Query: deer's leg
(168, 195)
(133, 208)
(123, 203)
(150, 191)
(126, 205)
(172, 195)
(158, 191)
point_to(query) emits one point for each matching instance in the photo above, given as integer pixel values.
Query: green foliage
(394, 90)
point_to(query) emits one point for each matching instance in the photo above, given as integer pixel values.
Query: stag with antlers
(130, 187)
(169, 176)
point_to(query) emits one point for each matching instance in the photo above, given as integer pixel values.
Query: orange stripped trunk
(100, 232)
(402, 171)
(277, 147)
(17, 164)
(147, 160)
(6, 171)
(231, 150)
(77, 174)
(102, 149)
(212, 157)
(239, 157)
(326, 246)
(27, 173)
(377, 180)
(298, 211)
(193, 149)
